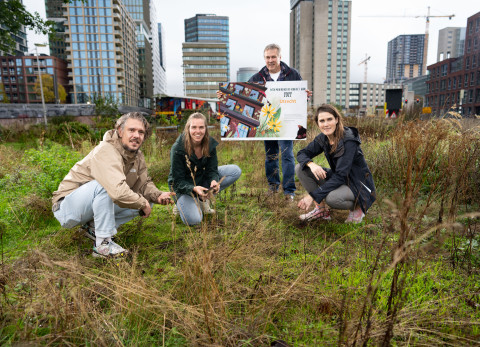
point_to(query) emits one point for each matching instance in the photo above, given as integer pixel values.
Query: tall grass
(253, 273)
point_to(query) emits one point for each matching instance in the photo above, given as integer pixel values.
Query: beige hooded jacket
(123, 174)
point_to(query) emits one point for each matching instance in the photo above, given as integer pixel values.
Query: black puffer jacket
(347, 166)
(286, 74)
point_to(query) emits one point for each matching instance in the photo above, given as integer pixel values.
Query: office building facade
(19, 77)
(244, 73)
(213, 33)
(206, 54)
(320, 47)
(204, 68)
(100, 50)
(455, 83)
(162, 85)
(450, 43)
(368, 96)
(209, 28)
(144, 15)
(417, 85)
(405, 57)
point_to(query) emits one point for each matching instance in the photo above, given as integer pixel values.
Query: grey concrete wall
(21, 114)
(9, 111)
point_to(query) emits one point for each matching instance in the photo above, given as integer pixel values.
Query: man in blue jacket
(276, 70)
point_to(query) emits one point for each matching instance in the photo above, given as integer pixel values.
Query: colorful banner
(250, 111)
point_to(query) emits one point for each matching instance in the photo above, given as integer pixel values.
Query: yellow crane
(365, 61)
(427, 26)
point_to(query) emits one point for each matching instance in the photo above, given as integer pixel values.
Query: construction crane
(365, 61)
(427, 28)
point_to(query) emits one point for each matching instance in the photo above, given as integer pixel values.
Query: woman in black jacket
(348, 183)
(194, 170)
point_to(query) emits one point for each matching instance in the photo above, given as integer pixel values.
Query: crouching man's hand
(145, 212)
(165, 198)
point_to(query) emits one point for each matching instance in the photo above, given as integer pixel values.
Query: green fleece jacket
(204, 170)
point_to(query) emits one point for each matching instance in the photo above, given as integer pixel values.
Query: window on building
(231, 104)
(254, 94)
(224, 121)
(238, 89)
(242, 130)
(248, 111)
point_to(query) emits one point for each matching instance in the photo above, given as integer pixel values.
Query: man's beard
(125, 147)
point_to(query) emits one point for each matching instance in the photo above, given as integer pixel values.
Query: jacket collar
(349, 134)
(112, 137)
(284, 71)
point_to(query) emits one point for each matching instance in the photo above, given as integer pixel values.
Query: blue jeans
(189, 207)
(272, 169)
(91, 201)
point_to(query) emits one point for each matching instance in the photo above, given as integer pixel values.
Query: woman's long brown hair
(338, 133)
(188, 143)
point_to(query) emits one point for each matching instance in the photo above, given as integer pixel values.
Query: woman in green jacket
(194, 170)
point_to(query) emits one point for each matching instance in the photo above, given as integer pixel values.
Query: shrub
(53, 162)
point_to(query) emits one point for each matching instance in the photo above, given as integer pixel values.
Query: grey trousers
(341, 198)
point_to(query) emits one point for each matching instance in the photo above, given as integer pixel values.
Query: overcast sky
(256, 23)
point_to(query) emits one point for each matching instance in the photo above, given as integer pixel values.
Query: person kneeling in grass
(194, 170)
(348, 184)
(109, 187)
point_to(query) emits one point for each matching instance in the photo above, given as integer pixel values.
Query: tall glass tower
(100, 49)
(206, 54)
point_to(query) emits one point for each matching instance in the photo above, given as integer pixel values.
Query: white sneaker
(316, 213)
(205, 206)
(108, 249)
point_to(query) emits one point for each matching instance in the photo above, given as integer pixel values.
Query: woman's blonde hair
(338, 133)
(188, 143)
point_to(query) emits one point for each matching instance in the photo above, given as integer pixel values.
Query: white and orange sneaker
(316, 213)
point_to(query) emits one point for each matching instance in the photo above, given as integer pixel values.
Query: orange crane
(365, 61)
(427, 25)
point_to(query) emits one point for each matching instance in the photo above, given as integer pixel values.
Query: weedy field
(253, 274)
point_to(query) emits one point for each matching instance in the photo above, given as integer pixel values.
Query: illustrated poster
(274, 111)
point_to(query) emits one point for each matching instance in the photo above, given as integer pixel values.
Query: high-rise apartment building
(19, 37)
(450, 43)
(144, 15)
(320, 47)
(162, 85)
(54, 11)
(100, 49)
(207, 62)
(405, 57)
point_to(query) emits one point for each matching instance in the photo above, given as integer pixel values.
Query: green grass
(249, 275)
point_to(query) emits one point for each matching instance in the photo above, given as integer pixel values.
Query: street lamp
(41, 83)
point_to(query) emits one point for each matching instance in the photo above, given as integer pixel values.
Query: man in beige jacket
(109, 186)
